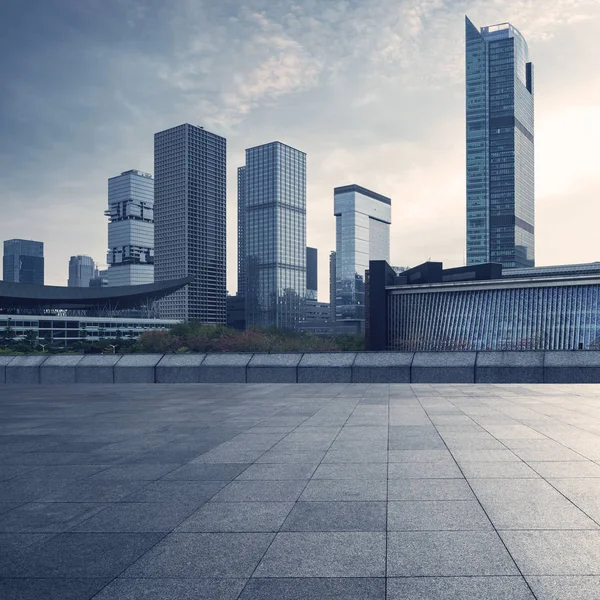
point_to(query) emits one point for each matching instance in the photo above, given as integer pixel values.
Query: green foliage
(196, 337)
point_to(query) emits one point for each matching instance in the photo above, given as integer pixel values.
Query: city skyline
(402, 132)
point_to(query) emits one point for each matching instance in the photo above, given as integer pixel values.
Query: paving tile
(237, 517)
(550, 470)
(136, 472)
(47, 517)
(458, 588)
(172, 589)
(300, 588)
(206, 472)
(260, 491)
(81, 555)
(497, 470)
(565, 588)
(419, 456)
(96, 490)
(50, 589)
(366, 490)
(336, 516)
(351, 471)
(309, 457)
(429, 489)
(137, 517)
(196, 555)
(436, 470)
(555, 552)
(437, 516)
(324, 555)
(273, 472)
(185, 492)
(447, 553)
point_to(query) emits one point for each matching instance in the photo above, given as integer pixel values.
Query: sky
(371, 90)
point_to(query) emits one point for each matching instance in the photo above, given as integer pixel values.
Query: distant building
(275, 200)
(81, 271)
(332, 290)
(500, 147)
(190, 209)
(241, 196)
(363, 220)
(100, 278)
(236, 312)
(312, 273)
(130, 211)
(23, 261)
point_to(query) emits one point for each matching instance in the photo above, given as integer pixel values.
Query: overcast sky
(371, 90)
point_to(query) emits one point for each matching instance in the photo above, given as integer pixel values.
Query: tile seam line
(304, 488)
(478, 500)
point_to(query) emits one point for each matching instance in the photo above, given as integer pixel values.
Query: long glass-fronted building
(241, 197)
(500, 147)
(275, 201)
(362, 227)
(130, 211)
(189, 211)
(479, 308)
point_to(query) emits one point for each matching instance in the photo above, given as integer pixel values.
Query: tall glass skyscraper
(500, 147)
(275, 232)
(23, 261)
(130, 211)
(362, 225)
(241, 196)
(312, 273)
(189, 212)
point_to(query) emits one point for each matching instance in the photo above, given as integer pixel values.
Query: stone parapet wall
(335, 367)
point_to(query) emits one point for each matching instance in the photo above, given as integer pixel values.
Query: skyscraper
(312, 273)
(241, 231)
(130, 211)
(275, 200)
(500, 147)
(332, 289)
(362, 225)
(23, 261)
(81, 271)
(190, 209)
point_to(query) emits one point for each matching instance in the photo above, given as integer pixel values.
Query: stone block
(24, 369)
(510, 367)
(382, 367)
(273, 368)
(97, 368)
(331, 367)
(4, 360)
(179, 368)
(572, 366)
(60, 368)
(137, 368)
(443, 367)
(224, 368)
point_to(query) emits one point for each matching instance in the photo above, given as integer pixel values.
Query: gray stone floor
(295, 492)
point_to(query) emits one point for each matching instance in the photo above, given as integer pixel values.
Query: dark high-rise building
(500, 147)
(81, 271)
(312, 273)
(332, 290)
(241, 180)
(189, 221)
(275, 231)
(23, 261)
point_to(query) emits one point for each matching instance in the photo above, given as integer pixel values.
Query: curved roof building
(23, 296)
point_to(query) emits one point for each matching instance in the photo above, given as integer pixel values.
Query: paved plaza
(300, 492)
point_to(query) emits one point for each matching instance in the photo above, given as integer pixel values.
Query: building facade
(500, 147)
(130, 255)
(241, 196)
(332, 285)
(81, 271)
(23, 261)
(477, 308)
(363, 220)
(312, 273)
(190, 211)
(275, 200)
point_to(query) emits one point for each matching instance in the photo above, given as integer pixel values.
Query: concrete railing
(342, 367)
